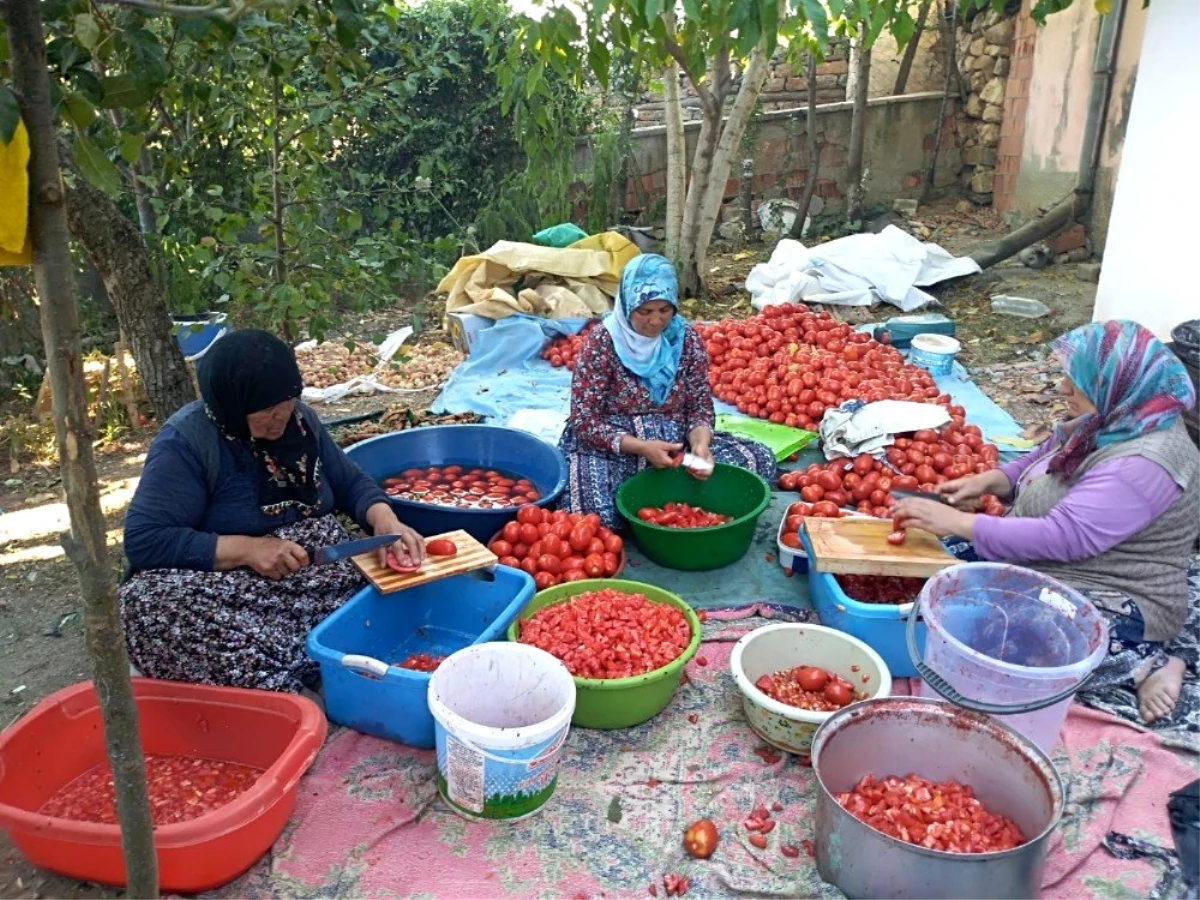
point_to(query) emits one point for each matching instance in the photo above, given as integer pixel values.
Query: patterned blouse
(605, 393)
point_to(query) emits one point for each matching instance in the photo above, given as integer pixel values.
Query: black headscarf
(246, 372)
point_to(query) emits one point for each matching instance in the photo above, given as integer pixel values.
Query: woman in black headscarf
(239, 488)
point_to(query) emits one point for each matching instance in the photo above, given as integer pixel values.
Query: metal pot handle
(944, 690)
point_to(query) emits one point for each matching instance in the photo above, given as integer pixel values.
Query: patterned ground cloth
(369, 821)
(236, 628)
(1182, 729)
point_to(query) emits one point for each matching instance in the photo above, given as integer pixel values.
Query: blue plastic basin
(438, 618)
(196, 334)
(882, 627)
(486, 446)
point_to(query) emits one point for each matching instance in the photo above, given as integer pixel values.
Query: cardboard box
(464, 329)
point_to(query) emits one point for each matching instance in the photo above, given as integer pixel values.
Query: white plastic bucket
(1010, 638)
(934, 352)
(501, 714)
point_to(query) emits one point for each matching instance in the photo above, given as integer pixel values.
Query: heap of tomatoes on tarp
(919, 462)
(791, 364)
(557, 547)
(563, 351)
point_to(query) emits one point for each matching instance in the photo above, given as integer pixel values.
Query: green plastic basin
(610, 703)
(729, 490)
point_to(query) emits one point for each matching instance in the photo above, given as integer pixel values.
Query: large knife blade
(921, 495)
(338, 552)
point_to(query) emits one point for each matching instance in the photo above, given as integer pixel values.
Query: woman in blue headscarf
(640, 395)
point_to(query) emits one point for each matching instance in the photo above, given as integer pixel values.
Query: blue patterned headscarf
(1135, 382)
(654, 360)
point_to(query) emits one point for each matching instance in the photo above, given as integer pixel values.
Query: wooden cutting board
(471, 555)
(859, 547)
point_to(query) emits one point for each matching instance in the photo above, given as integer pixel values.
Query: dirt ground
(41, 626)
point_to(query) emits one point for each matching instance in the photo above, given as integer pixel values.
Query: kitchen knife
(337, 552)
(921, 495)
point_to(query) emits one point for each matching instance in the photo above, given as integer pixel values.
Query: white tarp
(858, 270)
(856, 427)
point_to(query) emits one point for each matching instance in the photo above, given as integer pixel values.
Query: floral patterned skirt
(595, 477)
(236, 628)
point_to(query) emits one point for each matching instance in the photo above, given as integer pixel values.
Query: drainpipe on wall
(1079, 203)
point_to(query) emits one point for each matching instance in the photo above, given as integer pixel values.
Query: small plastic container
(502, 713)
(196, 334)
(357, 645)
(934, 352)
(792, 559)
(882, 627)
(63, 737)
(1010, 638)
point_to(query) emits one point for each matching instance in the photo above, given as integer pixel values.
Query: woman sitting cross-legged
(239, 489)
(1110, 504)
(640, 395)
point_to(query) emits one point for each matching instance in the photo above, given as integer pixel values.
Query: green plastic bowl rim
(753, 514)
(630, 587)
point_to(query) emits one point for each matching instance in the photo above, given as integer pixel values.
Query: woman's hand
(409, 546)
(936, 518)
(965, 492)
(657, 453)
(273, 557)
(699, 438)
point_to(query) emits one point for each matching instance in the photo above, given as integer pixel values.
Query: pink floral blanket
(369, 822)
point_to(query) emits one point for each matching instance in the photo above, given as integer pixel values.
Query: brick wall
(901, 133)
(1016, 105)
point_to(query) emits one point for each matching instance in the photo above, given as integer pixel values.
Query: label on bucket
(464, 775)
(1053, 598)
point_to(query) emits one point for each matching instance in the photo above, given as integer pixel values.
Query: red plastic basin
(62, 737)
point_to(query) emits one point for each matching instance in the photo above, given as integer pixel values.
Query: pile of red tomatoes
(557, 547)
(917, 463)
(180, 788)
(882, 589)
(563, 351)
(420, 662)
(462, 487)
(791, 364)
(609, 634)
(939, 815)
(681, 515)
(808, 687)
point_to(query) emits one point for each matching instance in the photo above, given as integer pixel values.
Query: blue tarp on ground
(505, 373)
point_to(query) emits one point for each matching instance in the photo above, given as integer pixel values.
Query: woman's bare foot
(1159, 692)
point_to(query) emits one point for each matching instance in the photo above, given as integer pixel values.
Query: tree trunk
(676, 161)
(690, 280)
(814, 152)
(858, 133)
(910, 52)
(117, 250)
(85, 542)
(147, 217)
(727, 146)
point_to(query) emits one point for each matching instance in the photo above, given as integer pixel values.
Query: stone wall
(900, 136)
(785, 88)
(984, 60)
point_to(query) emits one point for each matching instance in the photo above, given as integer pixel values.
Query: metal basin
(933, 739)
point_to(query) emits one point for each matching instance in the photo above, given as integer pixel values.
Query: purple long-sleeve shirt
(1106, 505)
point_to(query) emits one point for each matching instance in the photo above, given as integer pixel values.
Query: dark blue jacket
(197, 485)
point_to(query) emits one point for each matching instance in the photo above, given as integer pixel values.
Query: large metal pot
(899, 735)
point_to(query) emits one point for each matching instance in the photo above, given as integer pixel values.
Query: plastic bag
(1183, 808)
(362, 384)
(560, 236)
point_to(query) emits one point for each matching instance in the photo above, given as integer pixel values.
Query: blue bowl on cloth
(483, 446)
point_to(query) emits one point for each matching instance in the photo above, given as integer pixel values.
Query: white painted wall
(1151, 270)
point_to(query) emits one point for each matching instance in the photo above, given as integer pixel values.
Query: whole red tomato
(700, 839)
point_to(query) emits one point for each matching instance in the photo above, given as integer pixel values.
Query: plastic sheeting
(505, 372)
(858, 270)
